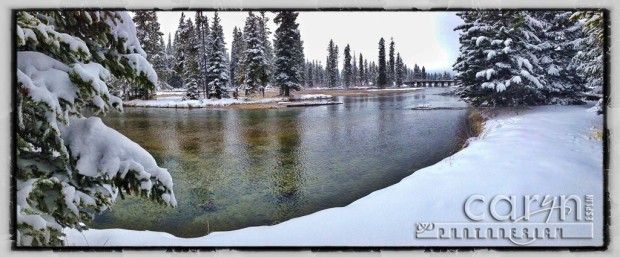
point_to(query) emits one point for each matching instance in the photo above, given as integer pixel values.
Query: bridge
(431, 83)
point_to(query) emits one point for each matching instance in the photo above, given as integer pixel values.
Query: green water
(238, 168)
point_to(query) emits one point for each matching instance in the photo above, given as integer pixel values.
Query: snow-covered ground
(177, 101)
(550, 150)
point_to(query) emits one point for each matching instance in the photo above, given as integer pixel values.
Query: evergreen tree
(347, 70)
(236, 57)
(417, 72)
(382, 72)
(399, 68)
(180, 49)
(149, 34)
(498, 63)
(255, 62)
(191, 68)
(202, 37)
(68, 167)
(366, 73)
(265, 33)
(362, 73)
(423, 74)
(354, 71)
(391, 71)
(173, 79)
(590, 59)
(331, 65)
(557, 49)
(217, 70)
(289, 59)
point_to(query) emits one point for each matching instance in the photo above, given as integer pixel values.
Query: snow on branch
(102, 152)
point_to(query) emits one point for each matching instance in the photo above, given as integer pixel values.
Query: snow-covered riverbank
(549, 150)
(166, 101)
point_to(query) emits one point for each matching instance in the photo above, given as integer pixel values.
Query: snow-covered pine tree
(160, 65)
(149, 35)
(391, 64)
(69, 168)
(236, 57)
(267, 45)
(180, 50)
(254, 60)
(354, 71)
(202, 36)
(423, 73)
(174, 80)
(559, 37)
(498, 63)
(289, 60)
(331, 66)
(589, 61)
(361, 72)
(382, 79)
(347, 71)
(310, 74)
(399, 69)
(217, 70)
(191, 69)
(366, 72)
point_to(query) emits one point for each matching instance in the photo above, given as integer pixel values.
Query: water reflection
(239, 168)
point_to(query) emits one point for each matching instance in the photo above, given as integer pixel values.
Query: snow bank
(310, 97)
(548, 150)
(178, 102)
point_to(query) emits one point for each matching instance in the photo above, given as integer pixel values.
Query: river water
(238, 168)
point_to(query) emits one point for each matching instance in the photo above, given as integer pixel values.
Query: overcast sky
(425, 38)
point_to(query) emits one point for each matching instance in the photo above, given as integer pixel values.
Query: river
(238, 168)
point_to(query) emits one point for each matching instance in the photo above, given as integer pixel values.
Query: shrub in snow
(68, 167)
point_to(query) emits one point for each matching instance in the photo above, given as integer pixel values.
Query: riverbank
(271, 100)
(548, 150)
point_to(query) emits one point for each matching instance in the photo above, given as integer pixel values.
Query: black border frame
(606, 155)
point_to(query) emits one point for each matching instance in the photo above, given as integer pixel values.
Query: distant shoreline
(270, 101)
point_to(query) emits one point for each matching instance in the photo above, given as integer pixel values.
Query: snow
(486, 73)
(546, 150)
(310, 97)
(178, 102)
(104, 152)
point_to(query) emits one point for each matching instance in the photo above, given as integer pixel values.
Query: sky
(423, 38)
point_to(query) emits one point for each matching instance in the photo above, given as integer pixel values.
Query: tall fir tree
(331, 66)
(256, 66)
(180, 49)
(68, 167)
(191, 68)
(236, 58)
(391, 65)
(267, 45)
(202, 33)
(382, 69)
(399, 69)
(289, 59)
(590, 58)
(498, 62)
(362, 72)
(556, 51)
(216, 75)
(149, 34)
(347, 72)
